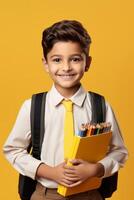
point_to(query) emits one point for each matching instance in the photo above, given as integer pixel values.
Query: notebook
(92, 149)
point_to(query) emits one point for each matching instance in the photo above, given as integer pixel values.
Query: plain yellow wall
(110, 24)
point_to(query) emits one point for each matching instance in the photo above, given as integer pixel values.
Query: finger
(73, 179)
(76, 161)
(75, 184)
(62, 164)
(71, 175)
(67, 182)
(69, 171)
(69, 167)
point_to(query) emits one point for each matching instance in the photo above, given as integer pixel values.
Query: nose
(66, 66)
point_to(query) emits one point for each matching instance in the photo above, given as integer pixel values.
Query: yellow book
(91, 149)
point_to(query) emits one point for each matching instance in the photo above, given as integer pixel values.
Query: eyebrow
(75, 54)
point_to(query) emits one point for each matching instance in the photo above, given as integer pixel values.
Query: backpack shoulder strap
(98, 107)
(109, 184)
(27, 185)
(37, 122)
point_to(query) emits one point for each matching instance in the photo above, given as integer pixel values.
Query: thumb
(76, 161)
(63, 164)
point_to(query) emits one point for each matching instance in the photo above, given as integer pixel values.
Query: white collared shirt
(52, 147)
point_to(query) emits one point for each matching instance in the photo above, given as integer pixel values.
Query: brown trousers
(42, 193)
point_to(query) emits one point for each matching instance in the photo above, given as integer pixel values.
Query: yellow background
(110, 24)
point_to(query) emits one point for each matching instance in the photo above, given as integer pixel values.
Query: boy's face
(66, 64)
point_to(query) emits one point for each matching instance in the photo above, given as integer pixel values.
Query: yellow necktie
(68, 126)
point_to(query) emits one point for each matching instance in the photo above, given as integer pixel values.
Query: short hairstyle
(65, 30)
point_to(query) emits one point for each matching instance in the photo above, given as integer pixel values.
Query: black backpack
(27, 185)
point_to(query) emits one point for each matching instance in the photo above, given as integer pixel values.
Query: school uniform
(52, 148)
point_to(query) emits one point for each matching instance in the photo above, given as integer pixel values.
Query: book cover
(91, 149)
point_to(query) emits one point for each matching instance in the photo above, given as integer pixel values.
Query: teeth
(67, 75)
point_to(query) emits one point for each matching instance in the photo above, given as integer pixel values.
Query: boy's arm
(118, 154)
(15, 148)
(56, 174)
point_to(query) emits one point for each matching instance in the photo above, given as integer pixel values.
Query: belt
(44, 190)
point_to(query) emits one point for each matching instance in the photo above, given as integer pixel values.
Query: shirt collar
(78, 98)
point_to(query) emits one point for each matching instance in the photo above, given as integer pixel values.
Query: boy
(66, 59)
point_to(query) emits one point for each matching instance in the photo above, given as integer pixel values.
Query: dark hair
(65, 30)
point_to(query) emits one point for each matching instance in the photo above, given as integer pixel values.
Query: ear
(45, 64)
(88, 62)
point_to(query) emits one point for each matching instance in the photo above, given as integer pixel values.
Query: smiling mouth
(66, 75)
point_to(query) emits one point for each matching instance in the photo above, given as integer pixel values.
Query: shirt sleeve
(117, 154)
(15, 148)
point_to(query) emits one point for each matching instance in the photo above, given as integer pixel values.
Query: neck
(68, 92)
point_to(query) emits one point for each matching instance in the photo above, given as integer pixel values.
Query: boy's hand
(70, 176)
(58, 175)
(82, 170)
(54, 173)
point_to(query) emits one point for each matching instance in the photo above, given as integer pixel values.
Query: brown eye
(57, 60)
(76, 59)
